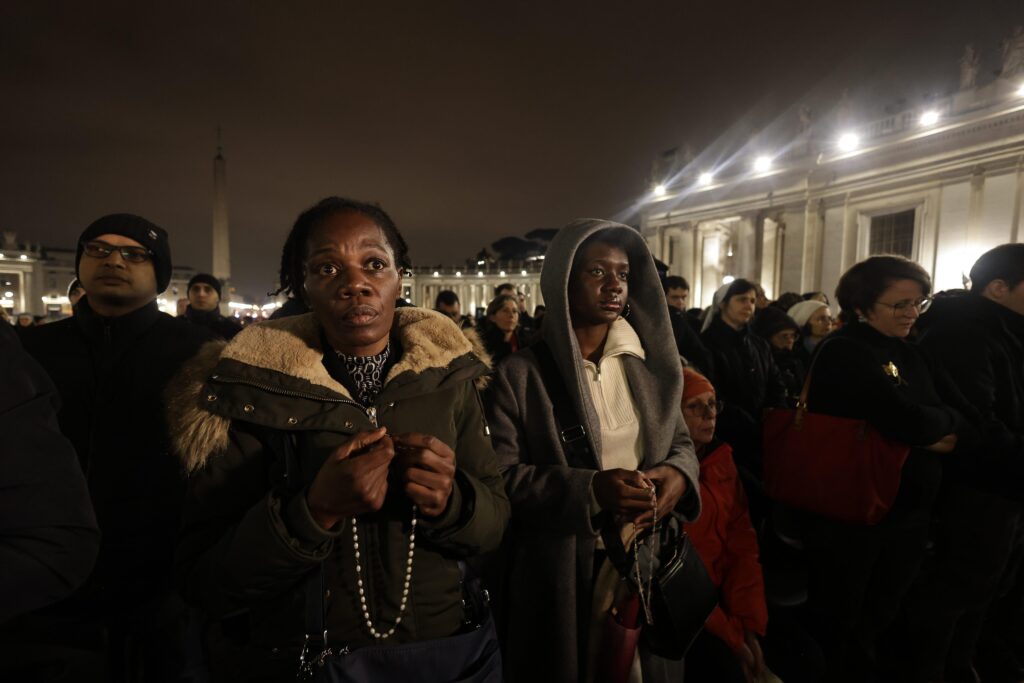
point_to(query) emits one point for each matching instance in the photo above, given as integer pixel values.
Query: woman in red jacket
(728, 650)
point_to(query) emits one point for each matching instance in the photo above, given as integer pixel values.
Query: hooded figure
(627, 404)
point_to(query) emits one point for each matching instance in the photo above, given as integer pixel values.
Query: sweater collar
(622, 340)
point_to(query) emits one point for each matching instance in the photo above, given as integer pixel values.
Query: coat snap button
(292, 421)
(211, 397)
(348, 424)
(248, 407)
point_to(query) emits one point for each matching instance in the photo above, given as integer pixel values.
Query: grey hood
(648, 316)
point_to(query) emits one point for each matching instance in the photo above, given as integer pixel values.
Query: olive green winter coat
(248, 541)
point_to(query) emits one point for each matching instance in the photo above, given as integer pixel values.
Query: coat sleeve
(478, 509)
(743, 582)
(552, 498)
(240, 541)
(966, 372)
(684, 458)
(48, 534)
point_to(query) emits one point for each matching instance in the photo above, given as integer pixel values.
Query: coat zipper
(371, 411)
(282, 392)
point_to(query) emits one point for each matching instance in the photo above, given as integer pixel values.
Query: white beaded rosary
(405, 589)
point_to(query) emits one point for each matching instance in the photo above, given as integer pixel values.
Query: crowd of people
(364, 490)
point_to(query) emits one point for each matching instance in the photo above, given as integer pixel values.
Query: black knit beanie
(142, 231)
(206, 279)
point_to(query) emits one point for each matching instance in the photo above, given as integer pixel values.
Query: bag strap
(571, 431)
(805, 390)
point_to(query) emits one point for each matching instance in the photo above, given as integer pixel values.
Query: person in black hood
(607, 341)
(204, 293)
(976, 340)
(781, 332)
(859, 574)
(110, 363)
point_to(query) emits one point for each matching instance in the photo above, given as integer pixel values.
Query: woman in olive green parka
(282, 430)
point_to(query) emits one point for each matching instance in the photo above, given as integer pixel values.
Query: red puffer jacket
(727, 542)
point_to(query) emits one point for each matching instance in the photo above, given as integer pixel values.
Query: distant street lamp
(763, 164)
(929, 118)
(848, 142)
(659, 190)
(706, 178)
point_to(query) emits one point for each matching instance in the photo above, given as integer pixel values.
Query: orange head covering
(695, 384)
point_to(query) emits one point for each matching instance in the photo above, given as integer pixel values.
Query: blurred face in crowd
(599, 285)
(203, 297)
(897, 309)
(506, 318)
(784, 339)
(113, 281)
(453, 311)
(739, 309)
(820, 322)
(351, 283)
(678, 297)
(700, 413)
(761, 300)
(25, 321)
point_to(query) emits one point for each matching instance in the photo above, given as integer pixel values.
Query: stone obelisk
(221, 242)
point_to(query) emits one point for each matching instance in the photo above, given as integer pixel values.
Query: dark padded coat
(249, 541)
(48, 533)
(110, 374)
(977, 348)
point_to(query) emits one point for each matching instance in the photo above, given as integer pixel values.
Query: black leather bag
(682, 597)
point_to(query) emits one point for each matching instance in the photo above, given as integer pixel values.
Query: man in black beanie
(204, 307)
(110, 363)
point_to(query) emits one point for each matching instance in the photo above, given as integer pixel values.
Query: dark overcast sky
(466, 121)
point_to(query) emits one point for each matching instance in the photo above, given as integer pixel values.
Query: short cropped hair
(675, 282)
(446, 297)
(1005, 262)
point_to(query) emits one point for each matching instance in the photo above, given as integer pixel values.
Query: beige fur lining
(292, 346)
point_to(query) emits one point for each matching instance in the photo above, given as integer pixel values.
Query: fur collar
(292, 346)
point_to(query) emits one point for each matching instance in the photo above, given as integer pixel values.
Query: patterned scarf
(367, 373)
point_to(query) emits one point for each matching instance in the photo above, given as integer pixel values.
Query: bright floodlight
(929, 118)
(659, 190)
(523, 273)
(706, 178)
(848, 142)
(728, 280)
(458, 273)
(23, 257)
(763, 164)
(1020, 90)
(479, 273)
(437, 274)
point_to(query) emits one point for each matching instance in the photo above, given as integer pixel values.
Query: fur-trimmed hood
(288, 353)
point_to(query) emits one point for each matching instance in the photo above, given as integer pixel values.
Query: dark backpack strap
(571, 431)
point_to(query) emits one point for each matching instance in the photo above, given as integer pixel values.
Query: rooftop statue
(1013, 53)
(969, 65)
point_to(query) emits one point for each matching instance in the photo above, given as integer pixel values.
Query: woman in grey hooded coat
(624, 382)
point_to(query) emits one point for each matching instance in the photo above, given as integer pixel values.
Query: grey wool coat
(548, 565)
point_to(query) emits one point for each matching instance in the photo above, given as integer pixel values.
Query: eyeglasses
(700, 409)
(101, 250)
(901, 307)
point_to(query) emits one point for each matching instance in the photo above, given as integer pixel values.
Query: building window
(893, 233)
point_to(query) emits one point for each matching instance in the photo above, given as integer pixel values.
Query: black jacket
(688, 342)
(48, 533)
(110, 374)
(225, 328)
(852, 377)
(793, 371)
(977, 348)
(748, 381)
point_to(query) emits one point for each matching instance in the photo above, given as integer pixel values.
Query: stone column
(814, 228)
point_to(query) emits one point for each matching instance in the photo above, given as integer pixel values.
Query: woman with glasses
(729, 648)
(868, 370)
(815, 321)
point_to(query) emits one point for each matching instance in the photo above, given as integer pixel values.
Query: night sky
(466, 121)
